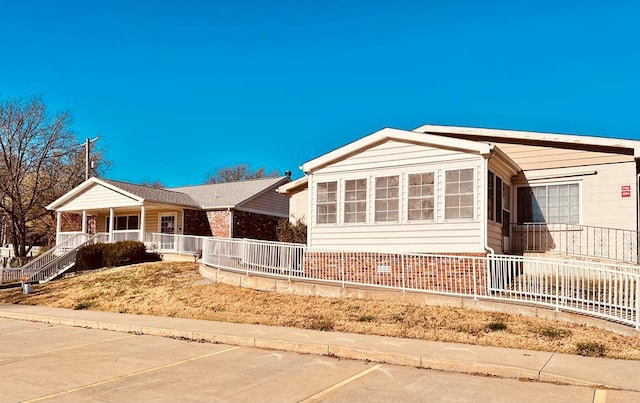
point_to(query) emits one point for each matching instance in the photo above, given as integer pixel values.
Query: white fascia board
(534, 136)
(86, 185)
(399, 135)
(287, 187)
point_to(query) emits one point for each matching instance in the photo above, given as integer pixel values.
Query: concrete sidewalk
(502, 362)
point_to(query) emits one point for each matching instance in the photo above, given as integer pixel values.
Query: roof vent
(287, 174)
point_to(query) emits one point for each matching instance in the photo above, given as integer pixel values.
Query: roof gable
(389, 134)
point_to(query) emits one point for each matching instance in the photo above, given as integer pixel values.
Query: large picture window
(549, 204)
(458, 198)
(327, 203)
(355, 201)
(421, 194)
(387, 198)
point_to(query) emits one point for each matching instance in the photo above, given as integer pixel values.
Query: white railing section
(58, 257)
(574, 239)
(170, 243)
(126, 235)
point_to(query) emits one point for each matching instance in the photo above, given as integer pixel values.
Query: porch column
(110, 225)
(58, 226)
(84, 221)
(142, 223)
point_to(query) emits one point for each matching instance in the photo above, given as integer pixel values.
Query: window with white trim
(558, 204)
(420, 203)
(355, 201)
(387, 201)
(124, 222)
(327, 202)
(458, 196)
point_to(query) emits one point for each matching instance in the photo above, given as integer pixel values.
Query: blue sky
(177, 89)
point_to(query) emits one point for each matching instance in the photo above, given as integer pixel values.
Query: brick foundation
(434, 273)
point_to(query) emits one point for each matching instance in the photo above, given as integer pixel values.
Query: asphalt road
(40, 362)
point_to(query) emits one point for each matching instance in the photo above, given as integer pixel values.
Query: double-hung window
(387, 198)
(421, 197)
(549, 204)
(355, 201)
(458, 197)
(124, 222)
(327, 202)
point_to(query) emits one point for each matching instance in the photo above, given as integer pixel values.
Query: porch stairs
(57, 260)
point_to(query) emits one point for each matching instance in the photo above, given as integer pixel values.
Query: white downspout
(485, 225)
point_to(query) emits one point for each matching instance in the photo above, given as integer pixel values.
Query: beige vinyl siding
(394, 154)
(494, 234)
(600, 192)
(270, 202)
(151, 218)
(98, 196)
(298, 204)
(530, 157)
(395, 158)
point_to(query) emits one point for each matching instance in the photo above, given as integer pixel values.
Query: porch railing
(170, 243)
(578, 240)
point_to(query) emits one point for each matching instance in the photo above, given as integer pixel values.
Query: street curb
(410, 360)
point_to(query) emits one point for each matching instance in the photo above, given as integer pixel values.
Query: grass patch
(554, 333)
(82, 305)
(175, 289)
(591, 349)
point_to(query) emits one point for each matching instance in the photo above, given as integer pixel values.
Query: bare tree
(40, 160)
(153, 184)
(238, 173)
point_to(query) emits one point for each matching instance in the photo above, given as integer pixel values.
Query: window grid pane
(421, 192)
(355, 201)
(557, 204)
(326, 206)
(387, 198)
(459, 195)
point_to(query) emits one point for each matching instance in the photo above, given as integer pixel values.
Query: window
(458, 197)
(506, 209)
(124, 222)
(327, 203)
(355, 201)
(420, 202)
(387, 198)
(498, 199)
(490, 187)
(549, 204)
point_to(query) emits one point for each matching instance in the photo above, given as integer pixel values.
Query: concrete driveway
(41, 362)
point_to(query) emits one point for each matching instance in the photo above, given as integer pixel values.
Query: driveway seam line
(340, 384)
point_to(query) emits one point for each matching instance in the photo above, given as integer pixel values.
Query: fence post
(637, 301)
(342, 267)
(404, 290)
(557, 286)
(475, 280)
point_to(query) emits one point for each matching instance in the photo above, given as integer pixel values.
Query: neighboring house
(248, 209)
(441, 189)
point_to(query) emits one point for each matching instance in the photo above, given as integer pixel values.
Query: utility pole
(87, 161)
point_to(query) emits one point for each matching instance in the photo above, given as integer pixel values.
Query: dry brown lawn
(178, 290)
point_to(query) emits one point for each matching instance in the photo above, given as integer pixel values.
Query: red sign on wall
(625, 191)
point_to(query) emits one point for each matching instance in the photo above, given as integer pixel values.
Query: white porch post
(84, 221)
(142, 223)
(58, 226)
(110, 225)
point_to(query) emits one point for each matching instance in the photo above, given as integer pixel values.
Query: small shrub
(496, 326)
(124, 252)
(591, 349)
(82, 305)
(553, 333)
(365, 318)
(90, 257)
(319, 322)
(292, 233)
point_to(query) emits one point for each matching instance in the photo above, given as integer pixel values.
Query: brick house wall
(452, 274)
(196, 222)
(219, 223)
(255, 226)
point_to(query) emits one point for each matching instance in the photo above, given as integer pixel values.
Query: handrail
(46, 256)
(576, 240)
(53, 261)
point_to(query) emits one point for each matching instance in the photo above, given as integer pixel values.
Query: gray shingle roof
(224, 195)
(155, 195)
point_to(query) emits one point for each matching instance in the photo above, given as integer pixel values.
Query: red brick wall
(196, 223)
(219, 223)
(451, 274)
(255, 226)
